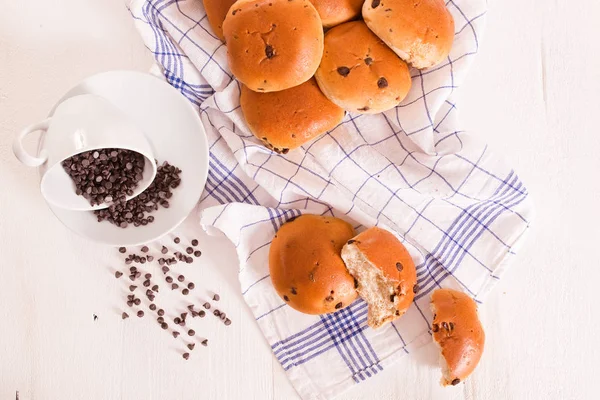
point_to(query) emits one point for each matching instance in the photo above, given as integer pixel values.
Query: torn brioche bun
(335, 12)
(458, 332)
(421, 32)
(287, 119)
(216, 10)
(385, 273)
(305, 264)
(359, 72)
(273, 44)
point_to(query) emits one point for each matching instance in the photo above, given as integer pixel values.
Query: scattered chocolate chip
(164, 325)
(181, 278)
(174, 286)
(186, 356)
(130, 303)
(338, 306)
(146, 283)
(140, 313)
(164, 250)
(397, 313)
(191, 286)
(191, 346)
(382, 83)
(455, 382)
(190, 307)
(175, 334)
(197, 253)
(137, 302)
(190, 260)
(201, 313)
(269, 51)
(132, 288)
(118, 274)
(165, 270)
(355, 283)
(375, 3)
(189, 250)
(392, 297)
(122, 250)
(216, 297)
(145, 249)
(150, 258)
(155, 288)
(177, 240)
(206, 305)
(343, 71)
(399, 266)
(191, 332)
(132, 277)
(204, 342)
(217, 313)
(365, 108)
(124, 315)
(368, 61)
(169, 279)
(223, 316)
(148, 276)
(451, 326)
(177, 320)
(153, 307)
(227, 322)
(183, 316)
(161, 312)
(294, 291)
(351, 241)
(195, 242)
(185, 292)
(286, 298)
(415, 288)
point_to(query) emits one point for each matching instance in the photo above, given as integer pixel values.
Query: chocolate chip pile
(167, 261)
(105, 175)
(123, 213)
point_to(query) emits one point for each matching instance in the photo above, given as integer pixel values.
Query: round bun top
(458, 331)
(306, 267)
(386, 252)
(421, 32)
(273, 44)
(335, 12)
(216, 10)
(359, 72)
(283, 122)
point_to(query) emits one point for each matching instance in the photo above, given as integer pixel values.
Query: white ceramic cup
(79, 124)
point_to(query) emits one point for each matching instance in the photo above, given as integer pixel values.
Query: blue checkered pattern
(459, 210)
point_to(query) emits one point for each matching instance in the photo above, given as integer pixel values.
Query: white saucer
(176, 135)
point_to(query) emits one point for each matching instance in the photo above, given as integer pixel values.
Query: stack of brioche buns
(359, 65)
(319, 265)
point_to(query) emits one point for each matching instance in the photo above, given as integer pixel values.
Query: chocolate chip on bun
(385, 273)
(458, 332)
(305, 264)
(359, 72)
(273, 44)
(287, 119)
(421, 32)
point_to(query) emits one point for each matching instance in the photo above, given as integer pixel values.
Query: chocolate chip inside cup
(134, 212)
(105, 175)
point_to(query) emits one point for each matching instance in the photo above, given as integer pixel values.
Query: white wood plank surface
(532, 95)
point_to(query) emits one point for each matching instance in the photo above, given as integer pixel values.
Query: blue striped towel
(459, 210)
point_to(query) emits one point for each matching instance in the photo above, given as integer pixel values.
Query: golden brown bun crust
(386, 252)
(420, 31)
(287, 119)
(306, 267)
(273, 44)
(216, 10)
(458, 331)
(335, 12)
(359, 72)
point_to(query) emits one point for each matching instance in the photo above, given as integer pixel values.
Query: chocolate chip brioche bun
(458, 332)
(216, 10)
(335, 12)
(273, 44)
(359, 72)
(421, 32)
(305, 264)
(385, 273)
(287, 119)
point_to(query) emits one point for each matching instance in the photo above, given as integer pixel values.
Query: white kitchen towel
(459, 210)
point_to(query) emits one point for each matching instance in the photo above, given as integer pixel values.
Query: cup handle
(20, 151)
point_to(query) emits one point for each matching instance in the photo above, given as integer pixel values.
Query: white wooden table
(532, 95)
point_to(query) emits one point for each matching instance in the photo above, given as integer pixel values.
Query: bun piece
(458, 332)
(385, 273)
(359, 72)
(421, 32)
(273, 44)
(305, 264)
(287, 119)
(335, 12)
(216, 10)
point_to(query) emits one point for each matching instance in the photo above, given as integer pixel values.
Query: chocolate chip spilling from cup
(105, 175)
